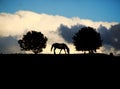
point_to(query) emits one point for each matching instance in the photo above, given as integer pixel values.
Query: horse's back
(59, 45)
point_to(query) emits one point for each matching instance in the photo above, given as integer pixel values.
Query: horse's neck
(66, 47)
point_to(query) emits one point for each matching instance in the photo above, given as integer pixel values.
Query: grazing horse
(61, 46)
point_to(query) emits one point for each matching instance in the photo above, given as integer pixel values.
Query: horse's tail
(52, 47)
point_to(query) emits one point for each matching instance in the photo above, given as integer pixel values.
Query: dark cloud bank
(111, 36)
(67, 33)
(9, 45)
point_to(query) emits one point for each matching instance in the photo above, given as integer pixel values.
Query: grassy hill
(60, 58)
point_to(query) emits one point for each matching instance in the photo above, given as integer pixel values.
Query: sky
(59, 20)
(97, 10)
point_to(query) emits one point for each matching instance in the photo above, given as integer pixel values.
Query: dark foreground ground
(60, 58)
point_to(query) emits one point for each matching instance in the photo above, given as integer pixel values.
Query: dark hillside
(60, 58)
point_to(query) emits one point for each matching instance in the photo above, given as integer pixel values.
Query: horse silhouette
(61, 46)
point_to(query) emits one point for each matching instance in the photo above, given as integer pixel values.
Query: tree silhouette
(87, 39)
(34, 41)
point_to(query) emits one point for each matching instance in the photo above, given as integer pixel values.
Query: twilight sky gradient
(97, 10)
(59, 20)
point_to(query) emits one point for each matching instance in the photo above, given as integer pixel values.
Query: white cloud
(18, 23)
(94, 24)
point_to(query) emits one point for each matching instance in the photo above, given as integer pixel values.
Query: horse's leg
(60, 51)
(84, 52)
(54, 50)
(65, 51)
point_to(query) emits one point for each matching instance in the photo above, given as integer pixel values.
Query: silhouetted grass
(60, 58)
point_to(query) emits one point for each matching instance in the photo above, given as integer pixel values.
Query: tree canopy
(87, 39)
(34, 41)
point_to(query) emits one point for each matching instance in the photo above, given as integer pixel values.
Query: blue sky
(96, 10)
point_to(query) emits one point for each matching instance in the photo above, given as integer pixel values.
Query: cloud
(9, 45)
(67, 33)
(56, 28)
(15, 24)
(111, 36)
